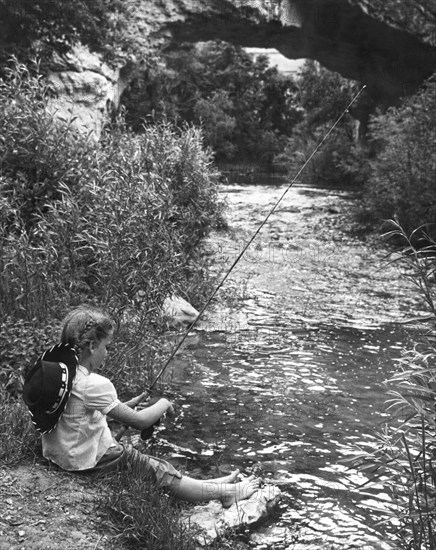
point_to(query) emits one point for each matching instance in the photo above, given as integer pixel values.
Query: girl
(82, 440)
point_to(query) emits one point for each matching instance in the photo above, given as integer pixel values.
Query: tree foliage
(244, 106)
(39, 28)
(323, 96)
(403, 172)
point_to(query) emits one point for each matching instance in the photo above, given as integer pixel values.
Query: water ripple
(289, 378)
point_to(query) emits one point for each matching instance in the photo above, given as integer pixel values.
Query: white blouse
(82, 435)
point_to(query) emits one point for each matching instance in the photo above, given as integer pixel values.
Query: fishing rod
(238, 258)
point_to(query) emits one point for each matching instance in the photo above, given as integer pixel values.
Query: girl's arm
(143, 418)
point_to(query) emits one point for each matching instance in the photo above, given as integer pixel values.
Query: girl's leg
(229, 478)
(195, 490)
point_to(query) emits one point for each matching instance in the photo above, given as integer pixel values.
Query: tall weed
(98, 221)
(404, 460)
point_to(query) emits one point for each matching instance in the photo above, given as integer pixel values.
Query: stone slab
(212, 520)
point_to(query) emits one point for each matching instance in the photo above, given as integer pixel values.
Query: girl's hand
(134, 402)
(146, 433)
(170, 410)
(168, 405)
(154, 410)
(142, 397)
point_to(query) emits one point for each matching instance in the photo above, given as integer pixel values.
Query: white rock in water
(179, 311)
(213, 520)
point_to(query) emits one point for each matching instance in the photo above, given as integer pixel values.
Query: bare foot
(240, 491)
(230, 478)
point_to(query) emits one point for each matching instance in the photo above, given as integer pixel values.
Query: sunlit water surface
(287, 380)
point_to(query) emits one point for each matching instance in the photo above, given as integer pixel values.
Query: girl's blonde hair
(84, 325)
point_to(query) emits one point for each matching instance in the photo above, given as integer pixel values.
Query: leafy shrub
(21, 343)
(38, 155)
(103, 220)
(402, 183)
(117, 224)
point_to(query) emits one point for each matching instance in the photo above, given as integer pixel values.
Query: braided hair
(84, 325)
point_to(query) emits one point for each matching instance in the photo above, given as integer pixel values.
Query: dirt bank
(46, 509)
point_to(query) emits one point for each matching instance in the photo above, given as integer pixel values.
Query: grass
(18, 438)
(144, 516)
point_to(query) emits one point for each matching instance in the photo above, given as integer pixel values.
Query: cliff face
(87, 89)
(391, 50)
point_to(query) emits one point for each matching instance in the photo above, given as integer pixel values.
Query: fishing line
(255, 234)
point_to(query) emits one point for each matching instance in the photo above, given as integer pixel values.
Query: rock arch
(340, 34)
(360, 39)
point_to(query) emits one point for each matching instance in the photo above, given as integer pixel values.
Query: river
(286, 376)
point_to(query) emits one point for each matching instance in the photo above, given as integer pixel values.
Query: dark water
(286, 376)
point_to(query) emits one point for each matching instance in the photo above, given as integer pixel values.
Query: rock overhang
(352, 37)
(340, 34)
